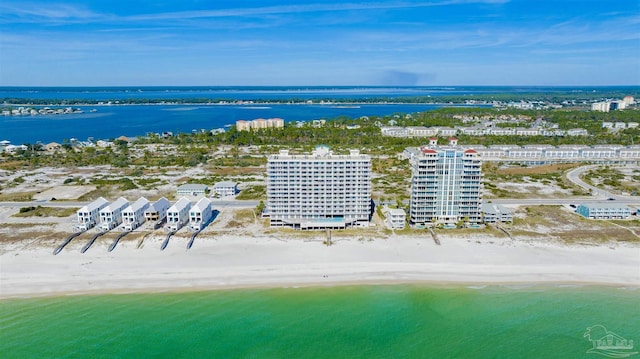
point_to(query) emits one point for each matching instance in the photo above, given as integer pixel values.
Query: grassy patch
(244, 215)
(241, 218)
(530, 171)
(487, 230)
(524, 233)
(289, 232)
(101, 191)
(236, 171)
(40, 211)
(208, 180)
(549, 175)
(597, 235)
(366, 233)
(253, 193)
(123, 183)
(13, 165)
(612, 179)
(559, 223)
(32, 238)
(17, 196)
(25, 225)
(547, 215)
(150, 183)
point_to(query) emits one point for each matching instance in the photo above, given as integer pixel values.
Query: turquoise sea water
(399, 321)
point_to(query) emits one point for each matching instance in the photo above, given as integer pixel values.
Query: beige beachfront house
(157, 211)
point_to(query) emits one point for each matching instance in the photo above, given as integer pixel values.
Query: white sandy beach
(231, 262)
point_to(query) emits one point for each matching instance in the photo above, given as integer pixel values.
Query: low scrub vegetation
(40, 211)
(255, 192)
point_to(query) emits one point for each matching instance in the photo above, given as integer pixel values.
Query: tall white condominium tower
(445, 185)
(319, 191)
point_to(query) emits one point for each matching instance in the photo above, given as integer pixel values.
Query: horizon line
(321, 86)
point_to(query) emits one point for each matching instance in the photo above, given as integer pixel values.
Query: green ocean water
(390, 321)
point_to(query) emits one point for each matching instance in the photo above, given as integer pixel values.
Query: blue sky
(322, 42)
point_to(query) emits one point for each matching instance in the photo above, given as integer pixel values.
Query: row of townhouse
(421, 131)
(106, 216)
(417, 131)
(183, 213)
(544, 152)
(562, 152)
(619, 125)
(604, 210)
(127, 217)
(492, 118)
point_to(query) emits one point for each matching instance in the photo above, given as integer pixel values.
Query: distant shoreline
(246, 103)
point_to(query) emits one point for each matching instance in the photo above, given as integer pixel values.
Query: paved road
(574, 176)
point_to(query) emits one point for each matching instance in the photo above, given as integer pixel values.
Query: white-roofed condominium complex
(320, 190)
(445, 186)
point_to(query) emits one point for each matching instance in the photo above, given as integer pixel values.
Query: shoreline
(436, 284)
(236, 103)
(229, 263)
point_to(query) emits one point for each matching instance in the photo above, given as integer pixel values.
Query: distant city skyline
(319, 43)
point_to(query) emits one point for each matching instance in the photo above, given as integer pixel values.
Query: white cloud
(33, 11)
(37, 12)
(307, 8)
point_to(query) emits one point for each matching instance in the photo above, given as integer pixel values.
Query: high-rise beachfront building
(320, 190)
(446, 185)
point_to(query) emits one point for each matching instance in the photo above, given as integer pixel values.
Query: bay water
(368, 321)
(112, 121)
(109, 122)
